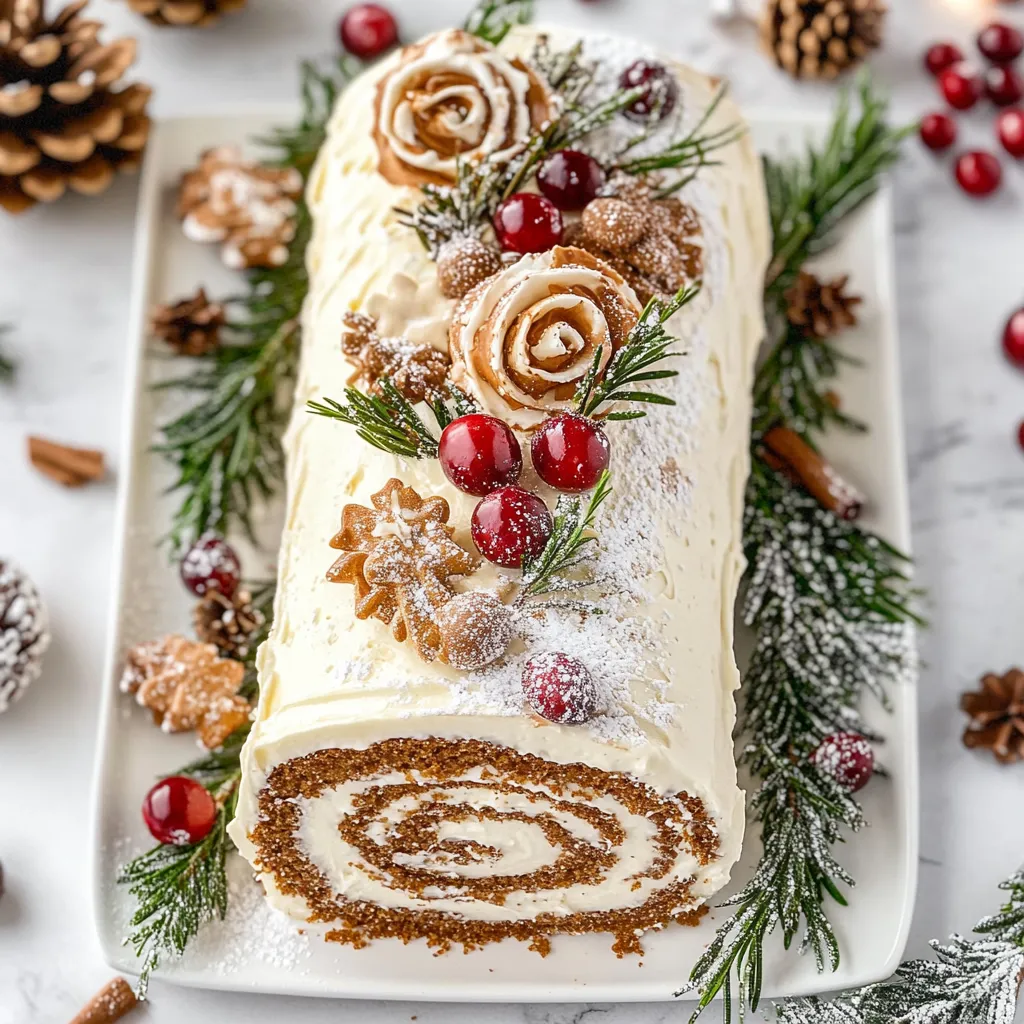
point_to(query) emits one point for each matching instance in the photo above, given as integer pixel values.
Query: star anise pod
(822, 308)
(997, 716)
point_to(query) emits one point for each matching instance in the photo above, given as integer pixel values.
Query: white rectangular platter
(257, 950)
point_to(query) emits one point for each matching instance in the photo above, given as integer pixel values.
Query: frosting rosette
(454, 97)
(522, 341)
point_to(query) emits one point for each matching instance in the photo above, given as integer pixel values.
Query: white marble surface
(64, 280)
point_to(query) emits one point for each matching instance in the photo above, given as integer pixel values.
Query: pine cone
(821, 308)
(190, 326)
(997, 716)
(24, 636)
(821, 38)
(62, 121)
(229, 623)
(187, 13)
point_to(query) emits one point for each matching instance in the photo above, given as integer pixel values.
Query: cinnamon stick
(787, 452)
(110, 1004)
(69, 466)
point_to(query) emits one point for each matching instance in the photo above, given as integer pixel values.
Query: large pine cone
(63, 122)
(185, 12)
(24, 635)
(821, 38)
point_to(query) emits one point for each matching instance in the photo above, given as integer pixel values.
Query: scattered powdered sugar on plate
(251, 932)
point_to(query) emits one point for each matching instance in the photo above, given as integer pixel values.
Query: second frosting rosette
(522, 341)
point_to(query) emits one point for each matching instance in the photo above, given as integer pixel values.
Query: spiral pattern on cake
(454, 97)
(522, 341)
(465, 842)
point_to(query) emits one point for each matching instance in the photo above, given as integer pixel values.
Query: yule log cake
(472, 726)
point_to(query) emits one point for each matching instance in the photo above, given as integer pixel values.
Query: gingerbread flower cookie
(454, 97)
(522, 341)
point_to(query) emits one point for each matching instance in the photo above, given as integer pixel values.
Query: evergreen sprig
(180, 888)
(492, 20)
(688, 155)
(566, 547)
(831, 606)
(810, 196)
(648, 343)
(226, 447)
(968, 981)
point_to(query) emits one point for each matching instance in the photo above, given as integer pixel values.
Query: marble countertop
(65, 282)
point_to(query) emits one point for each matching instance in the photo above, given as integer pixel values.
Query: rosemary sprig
(689, 155)
(565, 549)
(226, 447)
(492, 20)
(648, 343)
(180, 888)
(388, 421)
(809, 196)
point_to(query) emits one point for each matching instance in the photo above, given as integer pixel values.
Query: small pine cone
(187, 13)
(229, 623)
(821, 38)
(24, 636)
(822, 308)
(190, 326)
(463, 263)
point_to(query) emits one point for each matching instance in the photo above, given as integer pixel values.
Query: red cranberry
(1000, 43)
(848, 758)
(560, 689)
(1013, 339)
(961, 87)
(510, 524)
(570, 179)
(978, 173)
(570, 453)
(211, 564)
(479, 454)
(941, 56)
(660, 93)
(1003, 86)
(938, 131)
(179, 811)
(526, 222)
(1020, 434)
(1010, 126)
(367, 30)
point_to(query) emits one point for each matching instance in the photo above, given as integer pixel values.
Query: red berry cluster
(978, 172)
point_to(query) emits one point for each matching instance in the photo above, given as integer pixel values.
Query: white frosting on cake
(670, 544)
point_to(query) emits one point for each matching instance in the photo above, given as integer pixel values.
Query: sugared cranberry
(978, 173)
(660, 93)
(848, 758)
(942, 56)
(1010, 126)
(510, 524)
(367, 30)
(1003, 86)
(179, 811)
(1013, 339)
(961, 86)
(938, 131)
(570, 179)
(526, 222)
(1000, 43)
(479, 454)
(570, 453)
(211, 564)
(560, 689)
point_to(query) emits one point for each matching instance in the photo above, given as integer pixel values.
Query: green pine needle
(179, 889)
(566, 547)
(648, 343)
(492, 20)
(7, 365)
(226, 448)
